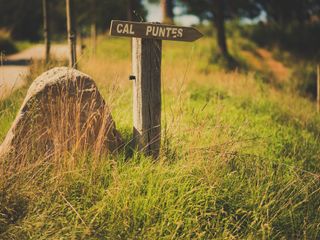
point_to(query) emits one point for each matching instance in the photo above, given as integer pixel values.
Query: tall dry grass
(239, 160)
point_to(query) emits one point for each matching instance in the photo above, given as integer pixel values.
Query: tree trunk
(72, 34)
(94, 27)
(46, 29)
(167, 11)
(219, 19)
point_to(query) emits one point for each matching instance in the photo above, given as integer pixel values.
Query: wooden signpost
(146, 75)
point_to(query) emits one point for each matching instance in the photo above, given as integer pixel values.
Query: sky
(155, 15)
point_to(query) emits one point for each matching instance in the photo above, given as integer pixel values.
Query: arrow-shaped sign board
(154, 31)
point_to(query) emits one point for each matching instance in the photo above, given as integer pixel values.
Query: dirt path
(277, 69)
(262, 60)
(14, 67)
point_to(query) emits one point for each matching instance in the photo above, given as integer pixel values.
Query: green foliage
(23, 19)
(8, 109)
(296, 45)
(7, 46)
(104, 12)
(247, 192)
(287, 11)
(299, 39)
(304, 77)
(22, 45)
(239, 161)
(205, 9)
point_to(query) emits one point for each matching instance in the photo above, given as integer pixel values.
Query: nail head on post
(132, 77)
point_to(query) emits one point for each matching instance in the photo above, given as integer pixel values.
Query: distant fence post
(46, 29)
(72, 34)
(318, 88)
(94, 26)
(146, 67)
(81, 42)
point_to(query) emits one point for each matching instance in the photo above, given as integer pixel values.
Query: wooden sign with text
(154, 31)
(146, 75)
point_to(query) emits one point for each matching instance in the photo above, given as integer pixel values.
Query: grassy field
(239, 159)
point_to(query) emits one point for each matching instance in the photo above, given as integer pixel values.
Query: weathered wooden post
(72, 34)
(146, 67)
(318, 88)
(46, 29)
(146, 70)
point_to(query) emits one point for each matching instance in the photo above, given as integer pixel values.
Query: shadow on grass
(229, 63)
(12, 209)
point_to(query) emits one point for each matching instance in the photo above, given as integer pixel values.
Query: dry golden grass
(239, 160)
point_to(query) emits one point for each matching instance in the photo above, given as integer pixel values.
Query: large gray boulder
(62, 112)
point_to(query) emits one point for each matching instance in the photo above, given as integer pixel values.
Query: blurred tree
(23, 18)
(130, 9)
(286, 11)
(46, 28)
(107, 10)
(72, 33)
(167, 10)
(218, 11)
(135, 10)
(94, 26)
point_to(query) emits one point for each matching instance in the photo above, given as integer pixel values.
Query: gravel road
(13, 68)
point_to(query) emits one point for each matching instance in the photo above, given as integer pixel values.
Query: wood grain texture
(146, 66)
